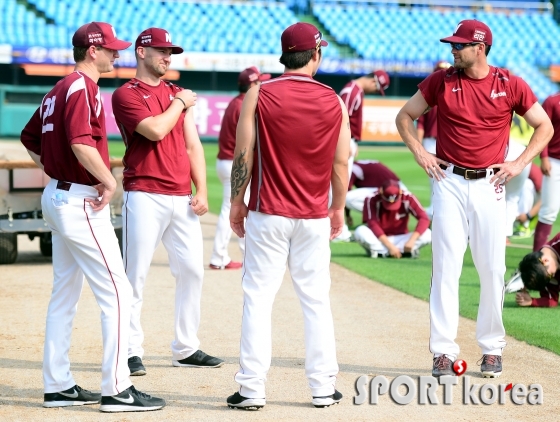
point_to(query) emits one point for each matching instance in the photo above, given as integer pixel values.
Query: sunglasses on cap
(319, 42)
(391, 198)
(459, 46)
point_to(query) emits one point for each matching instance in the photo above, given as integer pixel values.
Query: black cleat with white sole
(199, 359)
(75, 396)
(326, 401)
(130, 400)
(237, 401)
(136, 366)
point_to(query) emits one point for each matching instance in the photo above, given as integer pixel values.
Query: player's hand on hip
(105, 195)
(545, 166)
(188, 96)
(337, 221)
(523, 298)
(507, 171)
(430, 163)
(237, 215)
(199, 204)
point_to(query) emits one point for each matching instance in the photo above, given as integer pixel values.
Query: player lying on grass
(540, 271)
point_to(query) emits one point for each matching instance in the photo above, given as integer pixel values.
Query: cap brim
(381, 90)
(455, 39)
(117, 45)
(324, 43)
(264, 76)
(392, 206)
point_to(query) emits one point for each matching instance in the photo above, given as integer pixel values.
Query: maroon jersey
(298, 126)
(226, 140)
(385, 222)
(353, 97)
(71, 113)
(156, 167)
(554, 244)
(370, 174)
(428, 122)
(549, 297)
(474, 115)
(552, 107)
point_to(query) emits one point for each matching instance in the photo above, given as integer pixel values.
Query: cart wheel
(8, 248)
(45, 243)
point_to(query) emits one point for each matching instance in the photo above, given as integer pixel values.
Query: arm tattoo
(239, 173)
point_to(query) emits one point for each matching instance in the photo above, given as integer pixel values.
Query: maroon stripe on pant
(116, 291)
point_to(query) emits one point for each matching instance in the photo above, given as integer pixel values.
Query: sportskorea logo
(494, 94)
(425, 391)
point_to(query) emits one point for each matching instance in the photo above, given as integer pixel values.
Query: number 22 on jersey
(49, 110)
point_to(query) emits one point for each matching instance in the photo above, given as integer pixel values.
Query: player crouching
(386, 214)
(540, 271)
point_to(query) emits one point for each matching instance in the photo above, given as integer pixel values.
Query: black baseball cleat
(130, 400)
(237, 401)
(442, 366)
(326, 401)
(490, 366)
(75, 396)
(199, 359)
(135, 366)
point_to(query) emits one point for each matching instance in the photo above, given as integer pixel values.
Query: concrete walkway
(379, 332)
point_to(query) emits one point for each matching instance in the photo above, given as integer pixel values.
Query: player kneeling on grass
(385, 232)
(541, 271)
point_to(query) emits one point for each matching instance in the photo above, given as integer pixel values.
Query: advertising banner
(379, 119)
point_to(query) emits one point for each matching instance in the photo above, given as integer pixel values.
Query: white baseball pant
(467, 212)
(271, 241)
(529, 196)
(220, 255)
(84, 244)
(550, 194)
(515, 186)
(148, 219)
(365, 237)
(429, 145)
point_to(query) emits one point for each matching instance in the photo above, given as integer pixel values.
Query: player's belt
(470, 174)
(63, 185)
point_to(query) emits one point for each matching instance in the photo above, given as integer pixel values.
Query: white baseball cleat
(514, 284)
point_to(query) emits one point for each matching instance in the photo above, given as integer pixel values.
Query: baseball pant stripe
(109, 272)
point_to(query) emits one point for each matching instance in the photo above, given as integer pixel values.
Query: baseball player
(163, 155)
(550, 165)
(66, 137)
(226, 144)
(293, 138)
(541, 271)
(367, 176)
(386, 214)
(475, 104)
(529, 202)
(426, 126)
(353, 95)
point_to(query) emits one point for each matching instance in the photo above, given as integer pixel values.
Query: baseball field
(381, 323)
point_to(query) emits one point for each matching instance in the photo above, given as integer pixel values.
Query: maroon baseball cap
(469, 31)
(100, 34)
(391, 194)
(250, 75)
(301, 36)
(383, 80)
(156, 37)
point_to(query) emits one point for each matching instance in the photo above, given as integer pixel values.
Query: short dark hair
(533, 272)
(244, 88)
(80, 53)
(298, 59)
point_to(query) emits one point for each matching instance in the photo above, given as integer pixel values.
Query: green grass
(536, 326)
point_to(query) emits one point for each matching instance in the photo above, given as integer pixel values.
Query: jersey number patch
(49, 110)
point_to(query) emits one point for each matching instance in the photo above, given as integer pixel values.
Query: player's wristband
(185, 104)
(528, 216)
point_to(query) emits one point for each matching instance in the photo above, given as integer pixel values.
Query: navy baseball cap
(301, 36)
(469, 31)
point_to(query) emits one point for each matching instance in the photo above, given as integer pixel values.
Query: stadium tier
(525, 40)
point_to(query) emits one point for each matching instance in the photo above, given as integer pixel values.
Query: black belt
(63, 185)
(470, 174)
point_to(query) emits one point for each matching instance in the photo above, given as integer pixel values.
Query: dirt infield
(379, 332)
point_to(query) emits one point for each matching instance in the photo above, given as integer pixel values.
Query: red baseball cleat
(231, 266)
